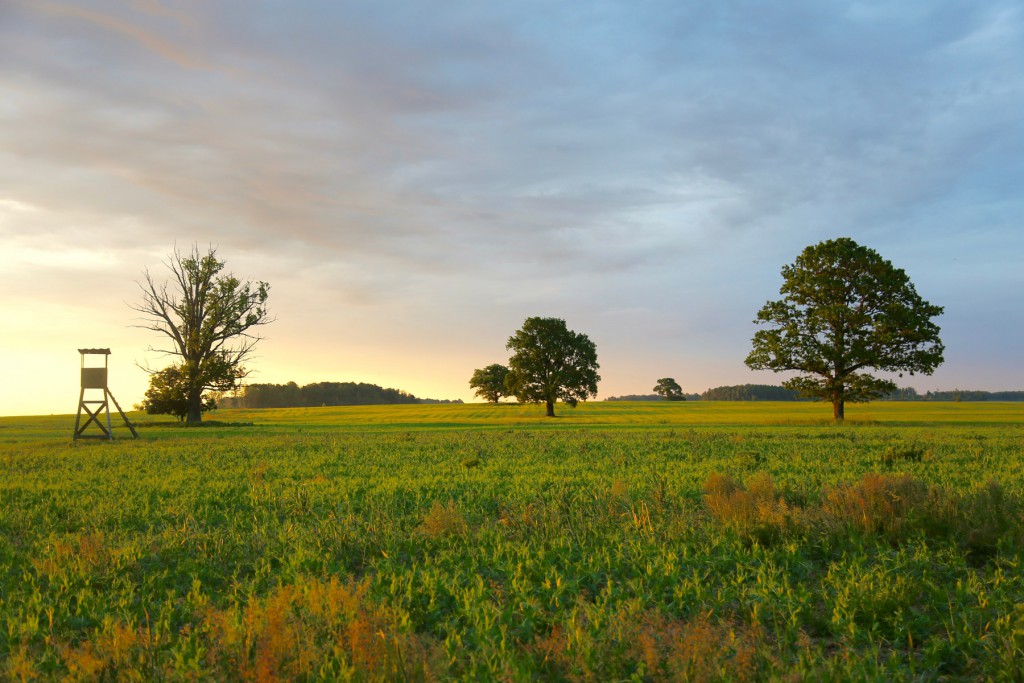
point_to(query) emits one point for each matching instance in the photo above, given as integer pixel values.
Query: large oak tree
(550, 362)
(845, 310)
(210, 320)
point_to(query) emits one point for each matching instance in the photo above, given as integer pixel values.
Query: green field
(619, 541)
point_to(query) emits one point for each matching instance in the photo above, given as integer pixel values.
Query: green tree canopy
(168, 394)
(550, 362)
(209, 320)
(669, 389)
(845, 310)
(490, 382)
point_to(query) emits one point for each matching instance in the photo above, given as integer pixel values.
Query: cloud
(149, 40)
(473, 163)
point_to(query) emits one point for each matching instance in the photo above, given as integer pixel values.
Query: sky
(415, 179)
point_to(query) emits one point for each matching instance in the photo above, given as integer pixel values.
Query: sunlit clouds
(415, 179)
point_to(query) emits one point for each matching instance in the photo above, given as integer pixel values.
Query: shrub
(756, 512)
(894, 454)
(894, 506)
(444, 520)
(984, 518)
(317, 625)
(629, 644)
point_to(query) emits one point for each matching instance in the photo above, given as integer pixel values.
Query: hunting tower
(94, 379)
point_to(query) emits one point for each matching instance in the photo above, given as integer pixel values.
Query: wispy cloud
(621, 164)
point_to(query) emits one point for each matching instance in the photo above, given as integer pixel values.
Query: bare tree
(210, 320)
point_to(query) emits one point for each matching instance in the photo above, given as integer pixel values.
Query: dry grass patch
(756, 511)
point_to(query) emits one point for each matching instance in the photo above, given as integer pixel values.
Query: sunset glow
(416, 179)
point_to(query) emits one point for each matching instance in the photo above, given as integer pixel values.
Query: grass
(653, 541)
(624, 414)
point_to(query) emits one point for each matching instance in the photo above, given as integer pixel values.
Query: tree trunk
(195, 408)
(838, 408)
(551, 408)
(838, 399)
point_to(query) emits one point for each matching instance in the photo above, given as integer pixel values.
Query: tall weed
(891, 506)
(756, 511)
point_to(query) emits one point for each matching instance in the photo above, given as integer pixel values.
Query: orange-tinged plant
(301, 628)
(19, 665)
(651, 646)
(756, 511)
(444, 520)
(878, 503)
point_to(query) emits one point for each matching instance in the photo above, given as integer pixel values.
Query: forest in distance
(768, 392)
(319, 394)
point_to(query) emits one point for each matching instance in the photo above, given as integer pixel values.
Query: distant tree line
(911, 394)
(962, 395)
(291, 395)
(649, 397)
(750, 392)
(635, 397)
(901, 394)
(767, 392)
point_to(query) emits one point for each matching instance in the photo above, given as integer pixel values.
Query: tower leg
(106, 406)
(94, 416)
(78, 418)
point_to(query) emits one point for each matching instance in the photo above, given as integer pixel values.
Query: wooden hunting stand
(95, 379)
